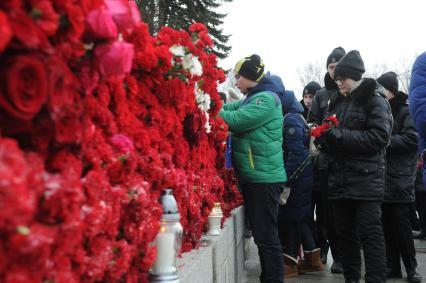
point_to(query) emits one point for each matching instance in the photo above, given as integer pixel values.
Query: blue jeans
(261, 203)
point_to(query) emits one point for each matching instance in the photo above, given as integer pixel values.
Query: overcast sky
(290, 34)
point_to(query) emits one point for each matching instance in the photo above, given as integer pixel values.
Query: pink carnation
(122, 143)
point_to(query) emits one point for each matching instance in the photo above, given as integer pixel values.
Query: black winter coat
(357, 161)
(401, 154)
(320, 102)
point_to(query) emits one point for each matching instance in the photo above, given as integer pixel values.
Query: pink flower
(114, 59)
(100, 25)
(122, 143)
(125, 13)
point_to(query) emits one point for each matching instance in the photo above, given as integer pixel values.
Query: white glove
(234, 95)
(284, 195)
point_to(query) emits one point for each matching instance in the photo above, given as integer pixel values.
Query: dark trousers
(359, 222)
(421, 209)
(398, 237)
(328, 219)
(317, 221)
(261, 203)
(293, 234)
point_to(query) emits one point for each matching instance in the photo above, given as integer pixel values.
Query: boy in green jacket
(256, 125)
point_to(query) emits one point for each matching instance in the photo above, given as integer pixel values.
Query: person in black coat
(356, 151)
(401, 161)
(326, 229)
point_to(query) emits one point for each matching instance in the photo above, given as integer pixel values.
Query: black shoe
(351, 281)
(414, 277)
(393, 274)
(337, 268)
(420, 235)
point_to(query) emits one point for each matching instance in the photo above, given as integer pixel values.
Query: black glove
(321, 143)
(333, 137)
(329, 140)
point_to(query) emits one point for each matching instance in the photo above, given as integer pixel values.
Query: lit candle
(165, 253)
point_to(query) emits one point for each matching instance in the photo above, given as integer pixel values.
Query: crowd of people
(356, 185)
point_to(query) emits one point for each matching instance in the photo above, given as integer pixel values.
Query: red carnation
(329, 122)
(24, 87)
(27, 32)
(45, 17)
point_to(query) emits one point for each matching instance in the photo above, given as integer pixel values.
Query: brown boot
(312, 262)
(290, 266)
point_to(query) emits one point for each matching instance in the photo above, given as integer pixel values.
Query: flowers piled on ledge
(96, 118)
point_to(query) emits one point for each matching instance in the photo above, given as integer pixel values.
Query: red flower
(198, 27)
(5, 31)
(329, 122)
(24, 86)
(45, 16)
(27, 33)
(17, 201)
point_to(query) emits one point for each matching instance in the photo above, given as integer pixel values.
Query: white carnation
(177, 50)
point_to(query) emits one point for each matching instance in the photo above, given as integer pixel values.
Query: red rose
(5, 31)
(24, 86)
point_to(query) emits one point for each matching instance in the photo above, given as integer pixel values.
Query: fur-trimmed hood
(399, 100)
(362, 92)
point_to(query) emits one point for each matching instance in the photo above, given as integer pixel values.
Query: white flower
(192, 64)
(203, 101)
(207, 102)
(207, 124)
(197, 68)
(177, 50)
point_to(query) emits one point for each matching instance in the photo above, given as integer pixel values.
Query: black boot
(414, 277)
(351, 281)
(420, 236)
(336, 268)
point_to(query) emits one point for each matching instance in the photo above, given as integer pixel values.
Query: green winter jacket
(256, 128)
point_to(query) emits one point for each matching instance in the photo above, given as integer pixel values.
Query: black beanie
(389, 81)
(335, 55)
(350, 66)
(311, 88)
(251, 68)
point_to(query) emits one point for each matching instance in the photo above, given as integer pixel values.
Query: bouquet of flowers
(326, 136)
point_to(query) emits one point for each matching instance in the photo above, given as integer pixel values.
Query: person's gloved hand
(321, 143)
(333, 137)
(329, 140)
(284, 195)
